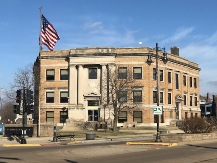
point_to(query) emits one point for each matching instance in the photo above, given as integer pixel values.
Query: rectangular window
(64, 97)
(137, 72)
(184, 80)
(122, 72)
(92, 72)
(195, 101)
(49, 97)
(191, 100)
(169, 77)
(137, 95)
(155, 118)
(63, 116)
(122, 96)
(169, 98)
(177, 81)
(49, 116)
(93, 115)
(161, 97)
(196, 115)
(161, 75)
(195, 83)
(154, 96)
(50, 74)
(137, 116)
(185, 100)
(190, 81)
(154, 74)
(186, 115)
(93, 102)
(122, 117)
(64, 74)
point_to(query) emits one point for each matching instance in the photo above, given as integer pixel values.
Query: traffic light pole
(23, 140)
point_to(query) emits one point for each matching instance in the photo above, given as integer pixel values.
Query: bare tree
(120, 88)
(22, 78)
(6, 112)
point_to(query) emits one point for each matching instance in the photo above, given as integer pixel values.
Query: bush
(198, 125)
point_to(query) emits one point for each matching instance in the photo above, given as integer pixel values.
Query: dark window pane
(154, 74)
(49, 97)
(122, 96)
(122, 73)
(161, 75)
(137, 73)
(154, 96)
(169, 98)
(169, 77)
(92, 73)
(63, 116)
(64, 75)
(177, 81)
(93, 102)
(64, 97)
(122, 117)
(137, 116)
(49, 116)
(50, 75)
(137, 96)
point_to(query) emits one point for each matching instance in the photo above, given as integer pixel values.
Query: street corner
(152, 143)
(21, 145)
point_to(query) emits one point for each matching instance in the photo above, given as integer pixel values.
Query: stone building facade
(71, 87)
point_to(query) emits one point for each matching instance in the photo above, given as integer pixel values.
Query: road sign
(157, 110)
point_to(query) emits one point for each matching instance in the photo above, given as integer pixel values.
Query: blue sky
(189, 24)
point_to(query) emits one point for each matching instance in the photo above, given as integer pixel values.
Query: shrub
(198, 125)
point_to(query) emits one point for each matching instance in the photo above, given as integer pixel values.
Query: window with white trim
(137, 72)
(50, 97)
(50, 74)
(64, 74)
(122, 72)
(64, 96)
(137, 116)
(49, 116)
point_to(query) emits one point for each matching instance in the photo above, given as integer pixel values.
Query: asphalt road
(107, 153)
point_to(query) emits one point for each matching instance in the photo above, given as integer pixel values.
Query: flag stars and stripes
(49, 36)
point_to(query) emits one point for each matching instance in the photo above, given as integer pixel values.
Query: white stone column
(81, 85)
(104, 84)
(73, 85)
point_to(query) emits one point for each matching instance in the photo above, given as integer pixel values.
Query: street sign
(157, 110)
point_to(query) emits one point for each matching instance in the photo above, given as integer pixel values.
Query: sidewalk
(140, 136)
(42, 141)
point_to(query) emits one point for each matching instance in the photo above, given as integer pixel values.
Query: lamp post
(149, 61)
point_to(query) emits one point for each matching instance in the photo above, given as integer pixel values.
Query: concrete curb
(21, 145)
(149, 143)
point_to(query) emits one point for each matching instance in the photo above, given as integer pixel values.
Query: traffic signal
(17, 109)
(18, 97)
(29, 97)
(30, 109)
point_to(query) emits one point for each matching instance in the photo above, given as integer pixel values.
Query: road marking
(148, 143)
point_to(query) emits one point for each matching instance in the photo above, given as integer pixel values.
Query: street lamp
(149, 61)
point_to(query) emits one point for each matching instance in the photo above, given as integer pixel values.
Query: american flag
(49, 35)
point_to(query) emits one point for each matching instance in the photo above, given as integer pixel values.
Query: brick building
(70, 85)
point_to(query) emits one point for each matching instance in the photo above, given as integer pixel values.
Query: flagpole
(40, 43)
(39, 87)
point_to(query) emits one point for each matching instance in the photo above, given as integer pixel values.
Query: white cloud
(204, 52)
(179, 34)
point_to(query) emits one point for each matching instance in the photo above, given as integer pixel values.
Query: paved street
(111, 152)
